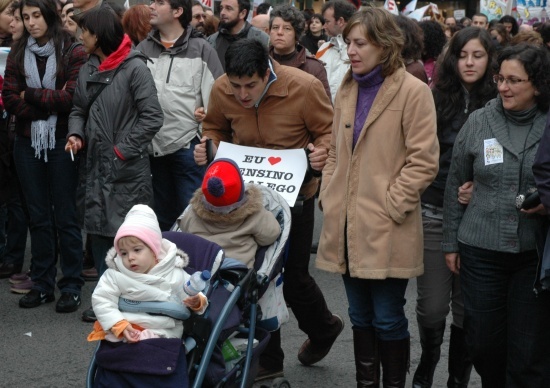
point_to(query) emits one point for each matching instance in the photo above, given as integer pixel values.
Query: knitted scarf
(42, 131)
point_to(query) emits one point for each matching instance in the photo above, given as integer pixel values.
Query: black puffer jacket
(126, 115)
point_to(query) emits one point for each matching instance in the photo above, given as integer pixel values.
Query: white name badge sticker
(493, 151)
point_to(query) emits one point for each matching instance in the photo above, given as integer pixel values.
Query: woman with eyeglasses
(491, 241)
(464, 83)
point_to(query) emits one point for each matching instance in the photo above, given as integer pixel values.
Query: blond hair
(381, 30)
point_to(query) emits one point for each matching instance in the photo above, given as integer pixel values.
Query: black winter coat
(126, 115)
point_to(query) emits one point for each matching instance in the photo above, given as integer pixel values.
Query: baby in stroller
(142, 267)
(233, 216)
(225, 313)
(251, 223)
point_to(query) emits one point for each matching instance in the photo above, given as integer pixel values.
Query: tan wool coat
(370, 195)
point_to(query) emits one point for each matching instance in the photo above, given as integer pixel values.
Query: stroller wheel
(280, 382)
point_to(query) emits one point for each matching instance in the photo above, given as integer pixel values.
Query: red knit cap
(223, 184)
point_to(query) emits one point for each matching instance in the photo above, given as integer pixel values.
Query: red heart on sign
(273, 160)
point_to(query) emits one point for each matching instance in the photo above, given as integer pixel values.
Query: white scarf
(42, 131)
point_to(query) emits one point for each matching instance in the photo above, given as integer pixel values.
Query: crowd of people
(428, 144)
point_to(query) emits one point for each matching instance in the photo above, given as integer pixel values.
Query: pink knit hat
(141, 222)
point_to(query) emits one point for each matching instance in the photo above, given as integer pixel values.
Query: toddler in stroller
(233, 295)
(233, 216)
(142, 267)
(251, 223)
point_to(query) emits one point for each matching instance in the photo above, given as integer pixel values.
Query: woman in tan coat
(384, 153)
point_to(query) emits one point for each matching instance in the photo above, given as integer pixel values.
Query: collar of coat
(348, 97)
(253, 204)
(274, 87)
(180, 44)
(500, 126)
(93, 60)
(298, 59)
(338, 42)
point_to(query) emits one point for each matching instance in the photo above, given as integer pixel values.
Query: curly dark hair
(536, 62)
(434, 39)
(513, 21)
(448, 85)
(291, 15)
(414, 38)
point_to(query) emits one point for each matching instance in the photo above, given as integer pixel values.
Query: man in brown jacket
(259, 103)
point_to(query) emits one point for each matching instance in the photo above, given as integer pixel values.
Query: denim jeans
(175, 179)
(506, 324)
(379, 304)
(46, 186)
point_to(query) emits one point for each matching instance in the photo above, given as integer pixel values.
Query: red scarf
(116, 57)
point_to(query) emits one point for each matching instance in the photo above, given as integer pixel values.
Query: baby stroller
(265, 284)
(233, 295)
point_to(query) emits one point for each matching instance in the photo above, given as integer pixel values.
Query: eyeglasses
(498, 79)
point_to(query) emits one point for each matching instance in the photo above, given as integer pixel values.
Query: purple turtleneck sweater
(369, 85)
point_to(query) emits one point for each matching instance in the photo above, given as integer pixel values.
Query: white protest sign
(282, 171)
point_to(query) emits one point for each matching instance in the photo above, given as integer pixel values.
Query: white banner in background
(532, 11)
(390, 6)
(282, 171)
(409, 8)
(495, 9)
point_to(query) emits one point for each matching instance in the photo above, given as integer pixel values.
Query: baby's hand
(196, 303)
(131, 334)
(193, 302)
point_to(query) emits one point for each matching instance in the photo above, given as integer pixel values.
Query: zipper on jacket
(169, 69)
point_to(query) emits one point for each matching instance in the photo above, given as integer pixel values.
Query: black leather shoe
(88, 315)
(68, 303)
(8, 269)
(35, 298)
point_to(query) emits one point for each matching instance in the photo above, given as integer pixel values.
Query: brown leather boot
(367, 360)
(394, 356)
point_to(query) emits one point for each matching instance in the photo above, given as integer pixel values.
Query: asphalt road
(41, 348)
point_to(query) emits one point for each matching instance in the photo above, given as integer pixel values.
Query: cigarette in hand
(72, 155)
